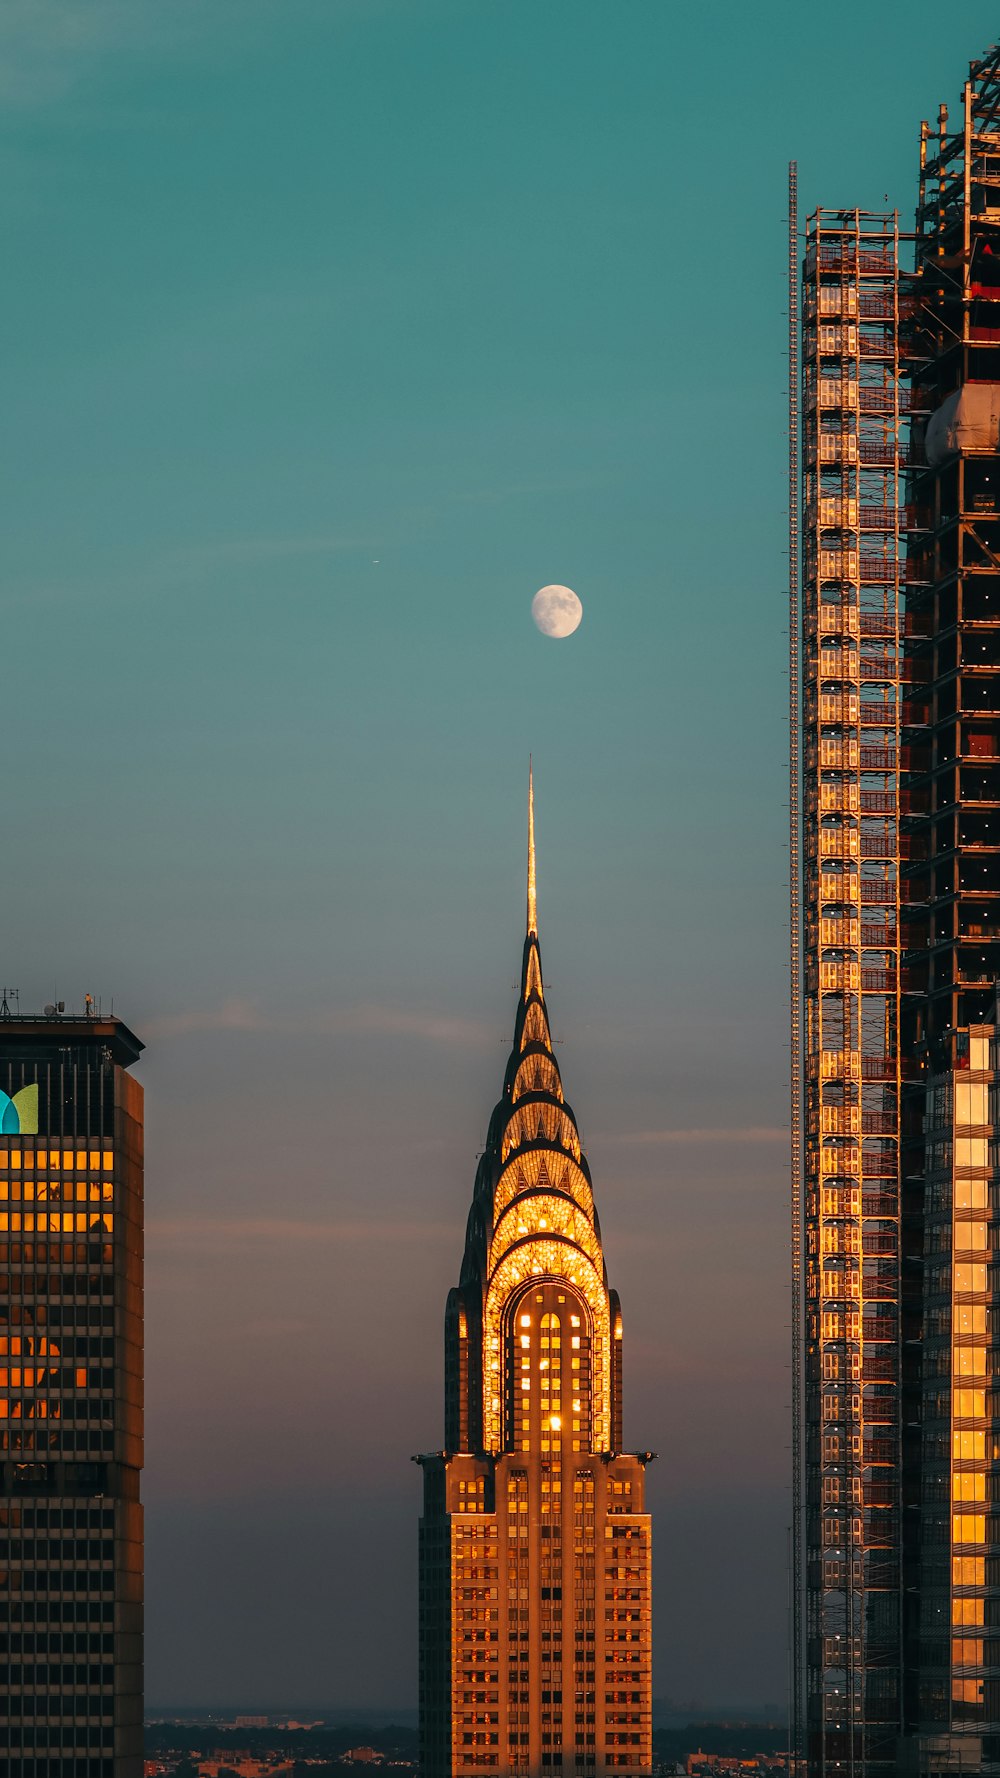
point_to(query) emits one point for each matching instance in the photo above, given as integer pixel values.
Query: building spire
(532, 902)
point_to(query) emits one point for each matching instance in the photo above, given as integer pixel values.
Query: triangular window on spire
(536, 1026)
(533, 975)
(537, 1074)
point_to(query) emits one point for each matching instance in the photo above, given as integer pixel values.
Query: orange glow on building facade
(895, 700)
(534, 1541)
(71, 1344)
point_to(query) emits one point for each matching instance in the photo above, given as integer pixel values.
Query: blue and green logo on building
(19, 1115)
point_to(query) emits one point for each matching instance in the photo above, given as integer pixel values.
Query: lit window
(967, 1691)
(967, 1611)
(970, 1528)
(969, 1446)
(970, 1404)
(968, 1571)
(970, 1278)
(970, 1361)
(969, 1487)
(967, 1652)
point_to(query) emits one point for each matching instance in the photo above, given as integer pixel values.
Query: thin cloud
(50, 47)
(388, 1021)
(750, 1133)
(233, 1015)
(350, 1021)
(193, 1232)
(248, 550)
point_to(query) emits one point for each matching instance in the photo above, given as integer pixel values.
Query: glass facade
(71, 1404)
(956, 1651)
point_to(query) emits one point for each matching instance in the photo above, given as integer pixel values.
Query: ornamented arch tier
(545, 1259)
(542, 1215)
(542, 1169)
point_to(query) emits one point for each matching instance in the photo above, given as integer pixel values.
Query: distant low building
(706, 1765)
(244, 1766)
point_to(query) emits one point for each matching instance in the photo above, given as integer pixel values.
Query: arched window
(550, 1383)
(549, 1372)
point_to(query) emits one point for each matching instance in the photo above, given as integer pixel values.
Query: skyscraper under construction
(895, 837)
(534, 1541)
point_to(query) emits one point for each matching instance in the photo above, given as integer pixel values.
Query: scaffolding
(853, 540)
(795, 1738)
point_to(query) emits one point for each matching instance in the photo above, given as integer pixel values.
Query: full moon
(556, 610)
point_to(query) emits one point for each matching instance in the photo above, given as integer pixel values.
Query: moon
(556, 610)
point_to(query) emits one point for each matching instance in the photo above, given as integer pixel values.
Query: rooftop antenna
(9, 994)
(532, 898)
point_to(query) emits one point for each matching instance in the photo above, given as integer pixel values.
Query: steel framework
(895, 713)
(853, 542)
(795, 960)
(950, 860)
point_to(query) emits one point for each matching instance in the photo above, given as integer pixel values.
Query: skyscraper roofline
(71, 1029)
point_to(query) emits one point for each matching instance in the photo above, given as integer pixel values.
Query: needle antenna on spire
(532, 902)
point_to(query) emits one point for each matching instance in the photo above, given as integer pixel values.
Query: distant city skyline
(338, 334)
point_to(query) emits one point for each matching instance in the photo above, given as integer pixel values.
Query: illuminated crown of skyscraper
(532, 1218)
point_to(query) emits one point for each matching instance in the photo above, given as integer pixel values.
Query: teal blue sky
(334, 329)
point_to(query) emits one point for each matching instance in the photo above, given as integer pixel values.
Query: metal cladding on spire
(533, 1204)
(534, 1519)
(532, 897)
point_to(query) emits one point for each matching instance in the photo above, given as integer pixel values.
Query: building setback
(534, 1541)
(71, 1343)
(896, 900)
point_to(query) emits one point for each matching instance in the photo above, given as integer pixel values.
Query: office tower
(895, 1162)
(534, 1541)
(70, 1397)
(950, 850)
